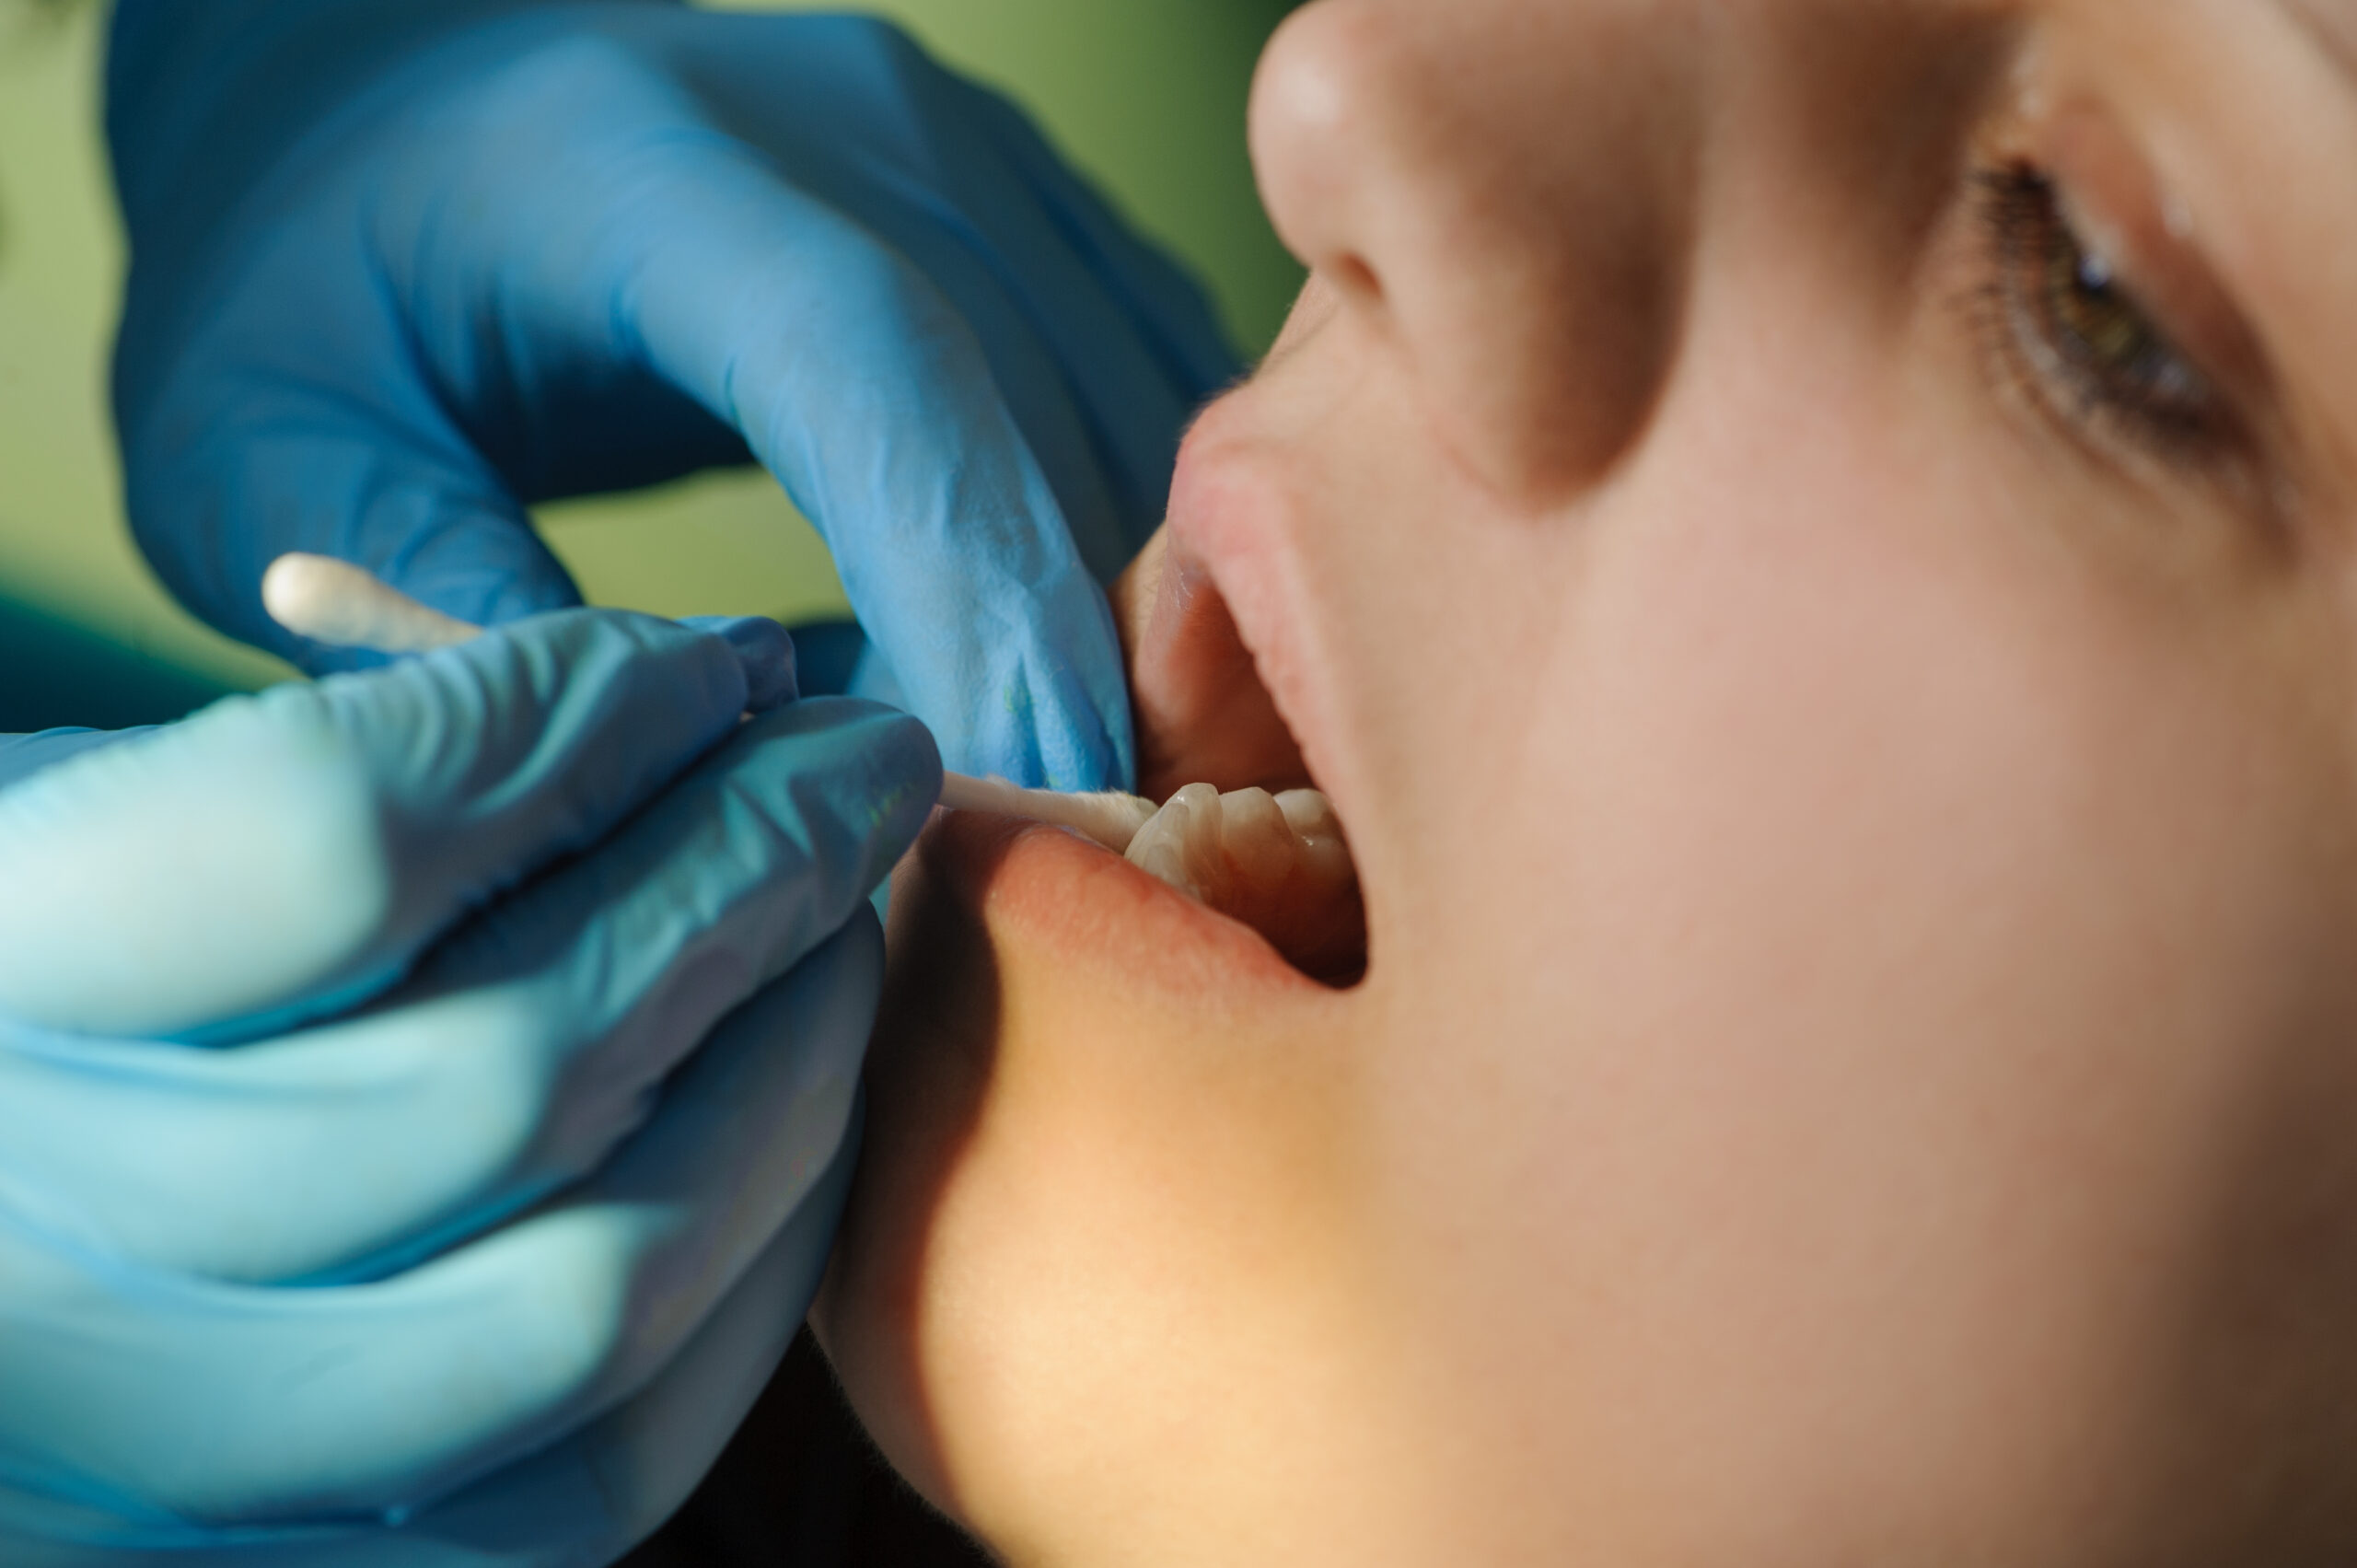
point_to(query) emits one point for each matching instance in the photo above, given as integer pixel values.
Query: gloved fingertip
(767, 652)
(21, 756)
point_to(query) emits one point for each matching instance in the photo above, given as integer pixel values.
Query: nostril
(1351, 274)
(1510, 206)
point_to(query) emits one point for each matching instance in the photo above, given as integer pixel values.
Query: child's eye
(2072, 329)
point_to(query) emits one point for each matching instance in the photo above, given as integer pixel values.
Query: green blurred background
(1146, 96)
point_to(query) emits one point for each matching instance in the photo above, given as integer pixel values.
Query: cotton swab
(346, 606)
(1111, 818)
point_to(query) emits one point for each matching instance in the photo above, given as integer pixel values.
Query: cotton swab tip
(1111, 818)
(345, 606)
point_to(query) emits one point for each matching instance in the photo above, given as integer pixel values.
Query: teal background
(1146, 97)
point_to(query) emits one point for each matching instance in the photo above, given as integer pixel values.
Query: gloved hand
(401, 267)
(365, 1195)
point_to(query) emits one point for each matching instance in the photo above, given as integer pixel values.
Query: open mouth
(1242, 828)
(1278, 863)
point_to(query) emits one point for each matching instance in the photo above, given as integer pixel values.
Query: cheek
(1881, 730)
(1887, 937)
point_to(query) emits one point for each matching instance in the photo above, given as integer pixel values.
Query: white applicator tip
(1111, 818)
(344, 606)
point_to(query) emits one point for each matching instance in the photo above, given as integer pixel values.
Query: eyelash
(2063, 325)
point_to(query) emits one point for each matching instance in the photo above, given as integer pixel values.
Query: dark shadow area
(802, 1487)
(54, 674)
(825, 653)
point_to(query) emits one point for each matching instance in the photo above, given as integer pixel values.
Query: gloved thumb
(287, 855)
(21, 756)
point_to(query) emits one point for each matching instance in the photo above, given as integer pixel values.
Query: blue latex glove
(401, 267)
(365, 1195)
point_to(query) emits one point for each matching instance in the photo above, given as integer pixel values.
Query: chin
(1095, 1129)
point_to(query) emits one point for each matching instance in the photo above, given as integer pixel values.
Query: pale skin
(1813, 545)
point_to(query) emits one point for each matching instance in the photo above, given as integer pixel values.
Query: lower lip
(1080, 905)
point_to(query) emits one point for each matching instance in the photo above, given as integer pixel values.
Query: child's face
(1811, 544)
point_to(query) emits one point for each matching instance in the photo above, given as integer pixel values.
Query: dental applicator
(1111, 818)
(346, 606)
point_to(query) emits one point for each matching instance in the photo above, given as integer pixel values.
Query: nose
(1502, 189)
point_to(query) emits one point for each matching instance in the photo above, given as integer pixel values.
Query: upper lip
(1227, 544)
(1228, 504)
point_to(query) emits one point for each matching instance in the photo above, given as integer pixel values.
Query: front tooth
(1254, 841)
(1160, 847)
(1311, 816)
(1202, 842)
(1179, 843)
(1277, 863)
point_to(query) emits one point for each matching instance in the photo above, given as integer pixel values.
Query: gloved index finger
(857, 383)
(284, 855)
